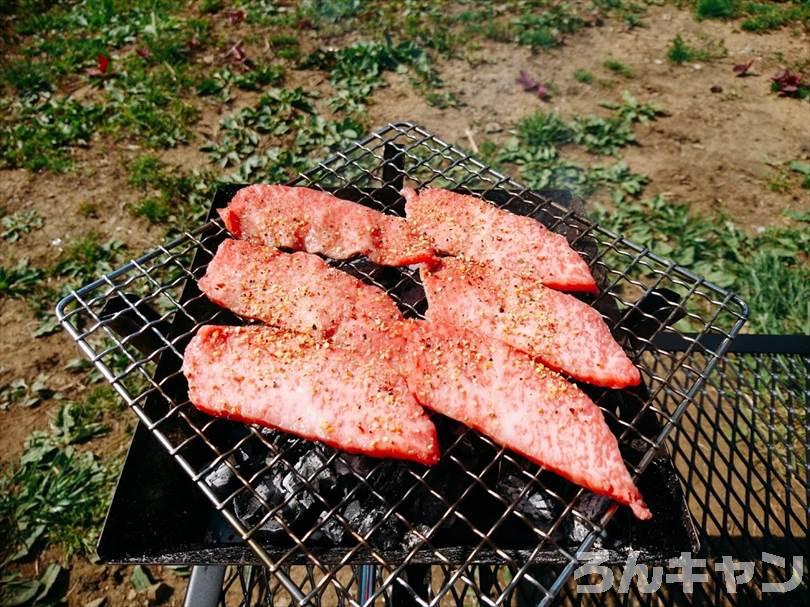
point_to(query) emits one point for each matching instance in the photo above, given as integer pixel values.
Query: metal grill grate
(294, 502)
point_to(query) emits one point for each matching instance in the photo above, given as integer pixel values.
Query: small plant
(778, 183)
(603, 135)
(19, 280)
(617, 67)
(544, 130)
(88, 257)
(21, 393)
(443, 101)
(680, 51)
(155, 210)
(19, 223)
(631, 110)
(716, 9)
(88, 210)
(547, 29)
(583, 76)
(531, 85)
(210, 7)
(42, 589)
(331, 11)
(55, 494)
(767, 16)
(790, 84)
(37, 135)
(803, 169)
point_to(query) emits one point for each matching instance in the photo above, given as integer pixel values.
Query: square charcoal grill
(295, 503)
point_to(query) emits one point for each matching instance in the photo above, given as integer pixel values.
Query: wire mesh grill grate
(300, 503)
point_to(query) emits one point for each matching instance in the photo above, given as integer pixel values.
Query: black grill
(297, 503)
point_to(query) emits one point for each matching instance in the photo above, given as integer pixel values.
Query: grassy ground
(117, 120)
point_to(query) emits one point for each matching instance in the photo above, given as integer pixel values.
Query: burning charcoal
(534, 503)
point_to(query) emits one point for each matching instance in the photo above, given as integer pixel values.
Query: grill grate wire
(159, 290)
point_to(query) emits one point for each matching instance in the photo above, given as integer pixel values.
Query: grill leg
(417, 578)
(368, 578)
(205, 586)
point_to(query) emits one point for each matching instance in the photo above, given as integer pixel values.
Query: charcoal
(312, 467)
(591, 506)
(247, 505)
(411, 538)
(332, 531)
(219, 477)
(535, 504)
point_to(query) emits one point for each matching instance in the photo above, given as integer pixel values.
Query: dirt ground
(717, 150)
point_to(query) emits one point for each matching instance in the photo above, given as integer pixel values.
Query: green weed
(544, 130)
(210, 7)
(631, 110)
(617, 67)
(443, 100)
(145, 104)
(680, 51)
(769, 270)
(778, 183)
(629, 12)
(716, 9)
(88, 210)
(21, 393)
(42, 591)
(250, 137)
(583, 76)
(88, 257)
(767, 16)
(155, 210)
(19, 223)
(38, 135)
(803, 169)
(173, 196)
(19, 280)
(603, 135)
(331, 11)
(545, 29)
(55, 495)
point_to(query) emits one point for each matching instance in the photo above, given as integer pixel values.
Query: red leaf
(143, 51)
(102, 65)
(237, 56)
(741, 69)
(788, 83)
(530, 85)
(236, 16)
